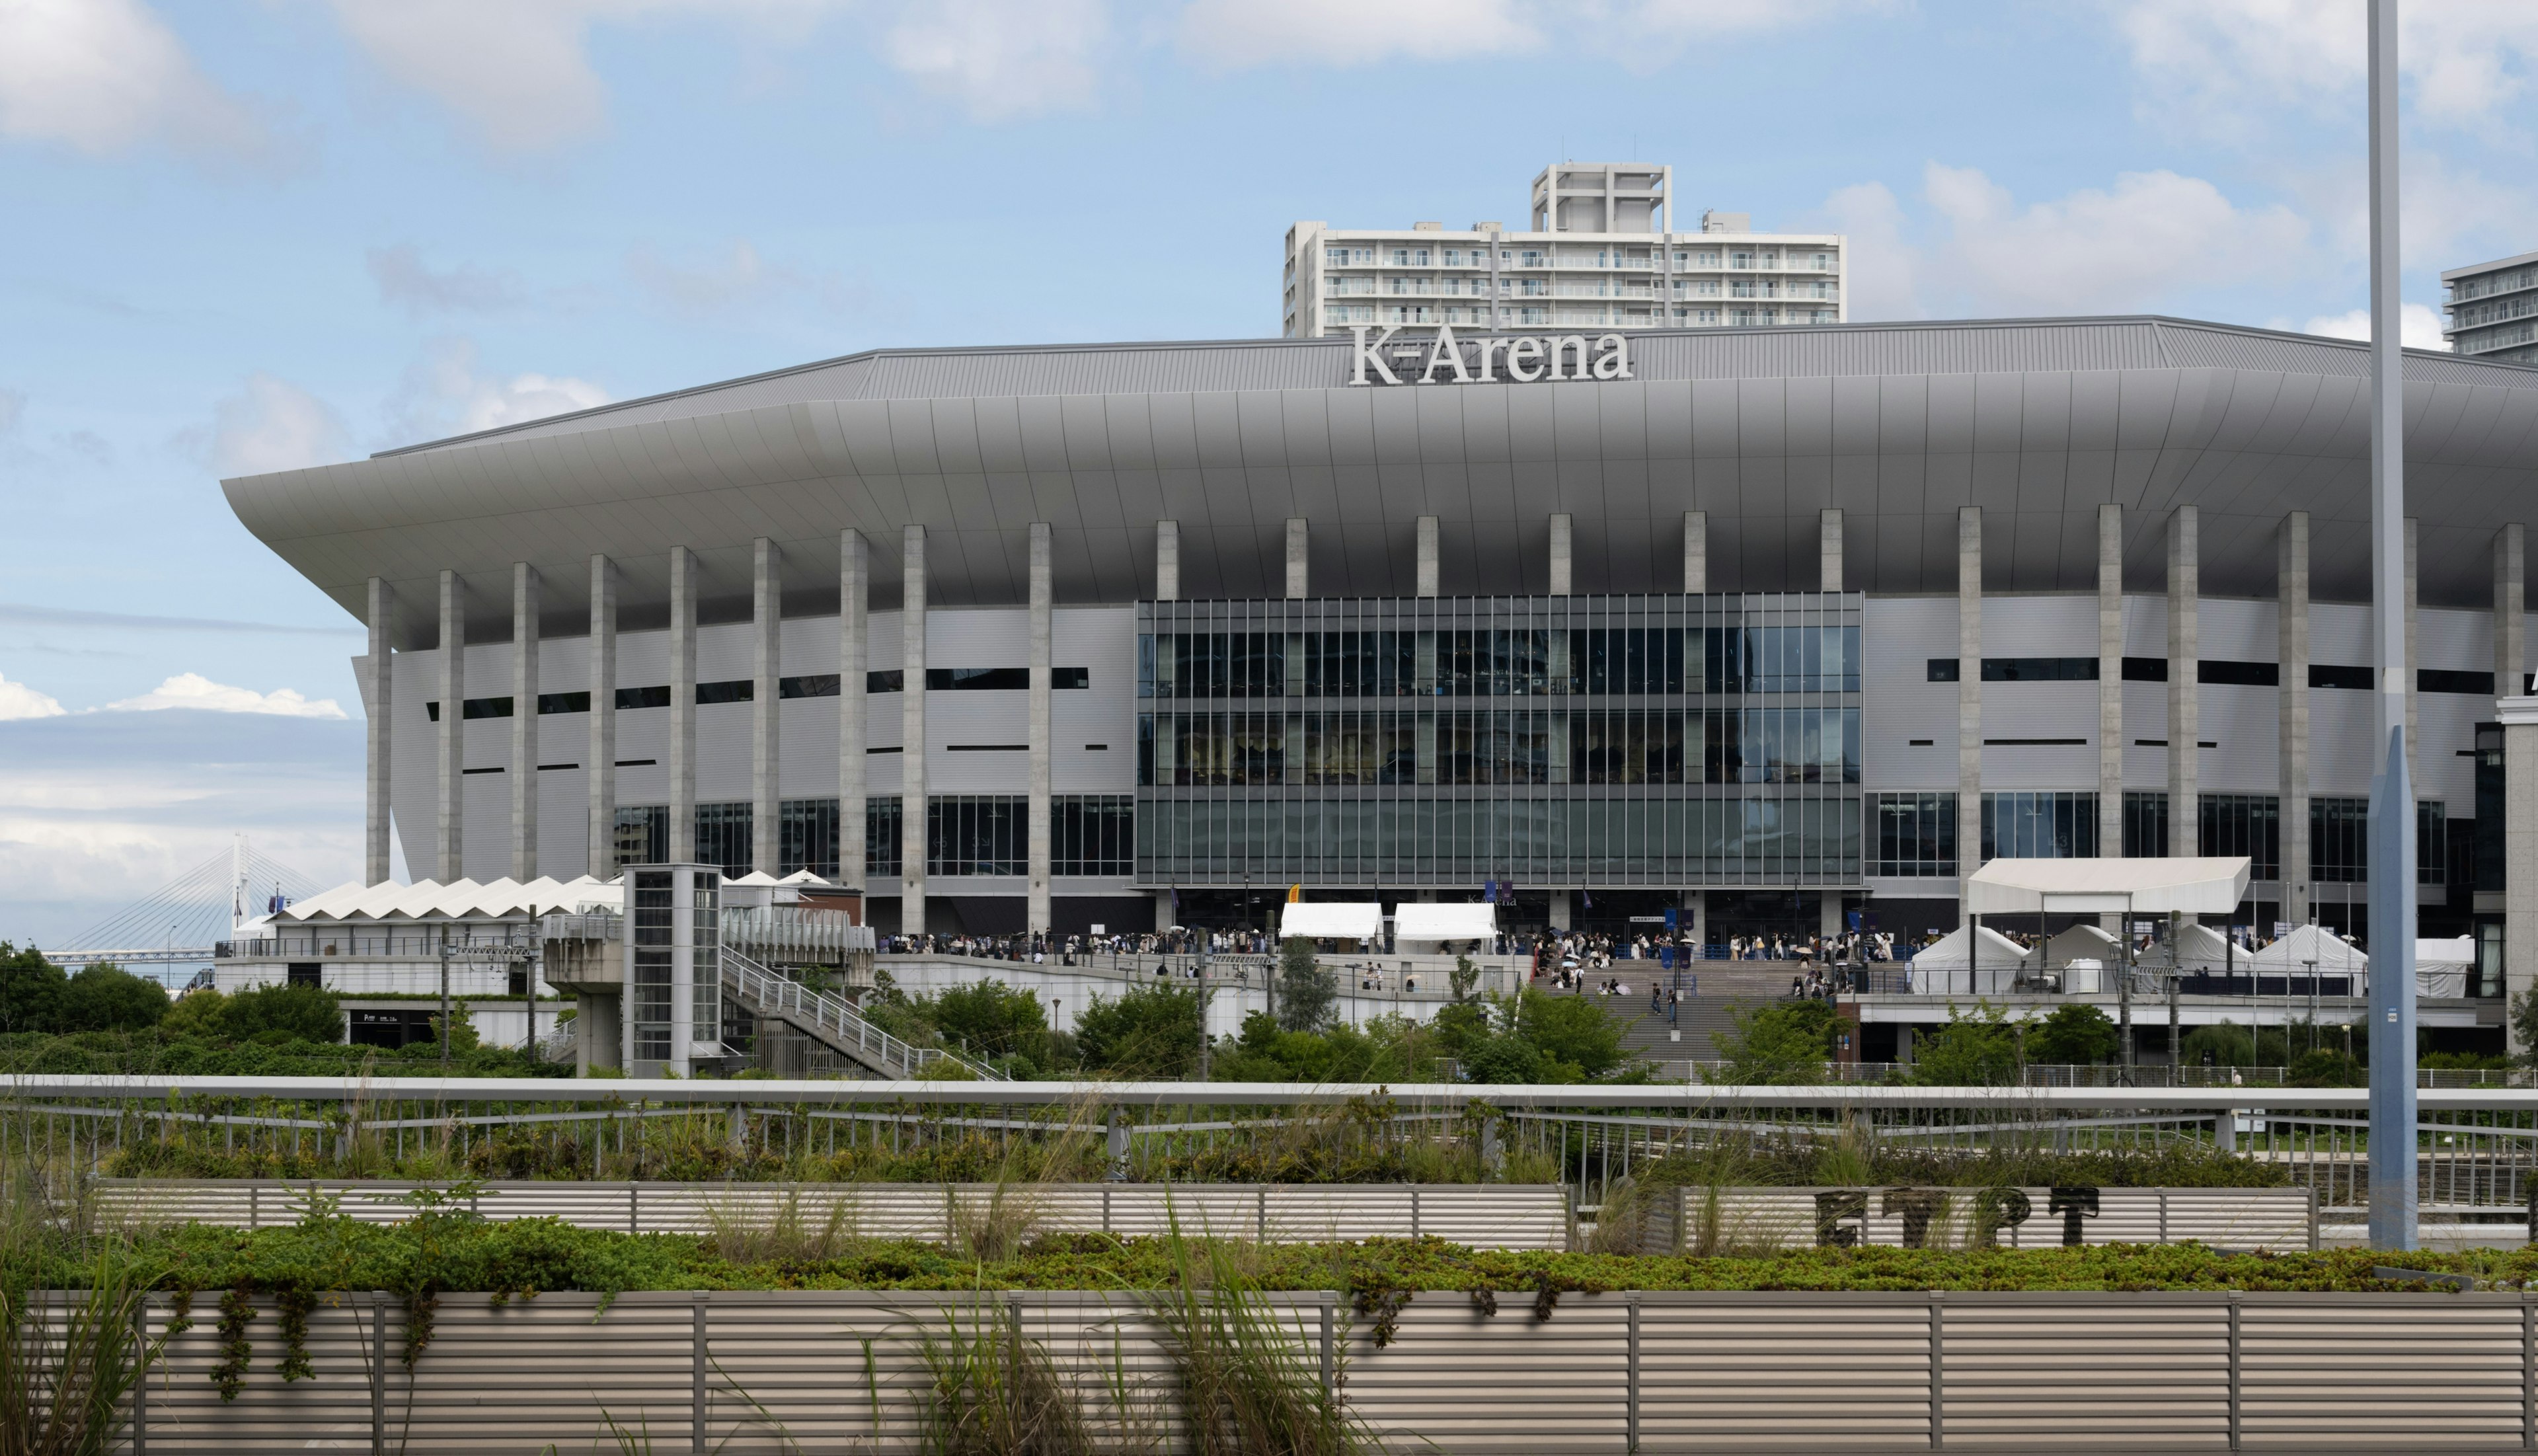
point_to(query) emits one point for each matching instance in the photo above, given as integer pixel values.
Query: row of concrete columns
(854, 584)
(766, 678)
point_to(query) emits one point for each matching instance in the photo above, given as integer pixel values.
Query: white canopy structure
(2109, 886)
(1456, 922)
(2441, 967)
(428, 900)
(1332, 920)
(2201, 948)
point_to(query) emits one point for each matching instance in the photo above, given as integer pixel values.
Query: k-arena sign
(1523, 360)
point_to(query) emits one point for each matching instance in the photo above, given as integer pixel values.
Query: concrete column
(2292, 594)
(1558, 913)
(1428, 551)
(854, 598)
(912, 756)
(2414, 672)
(449, 839)
(1167, 560)
(1829, 550)
(1298, 560)
(683, 704)
(2110, 680)
(1968, 696)
(1035, 911)
(380, 669)
(1563, 533)
(2184, 691)
(1696, 552)
(600, 759)
(2520, 718)
(524, 722)
(765, 690)
(1829, 921)
(2510, 615)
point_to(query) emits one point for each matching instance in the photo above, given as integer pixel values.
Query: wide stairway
(835, 1024)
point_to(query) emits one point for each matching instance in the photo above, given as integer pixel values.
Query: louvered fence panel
(1751, 1220)
(2416, 1371)
(1456, 1380)
(2025, 1373)
(1744, 1373)
(183, 1408)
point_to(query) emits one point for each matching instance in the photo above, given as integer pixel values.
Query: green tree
(200, 1015)
(2074, 1035)
(1785, 1043)
(30, 990)
(1976, 1048)
(299, 1013)
(2228, 1042)
(1148, 1032)
(1306, 991)
(108, 998)
(993, 1020)
(1573, 1030)
(2524, 1024)
(1464, 977)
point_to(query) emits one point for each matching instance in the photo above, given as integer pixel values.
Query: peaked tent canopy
(2106, 887)
(1949, 951)
(2307, 945)
(1455, 922)
(1349, 920)
(2083, 941)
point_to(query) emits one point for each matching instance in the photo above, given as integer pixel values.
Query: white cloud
(1882, 263)
(403, 278)
(1003, 58)
(2237, 63)
(443, 395)
(737, 276)
(271, 424)
(17, 700)
(105, 76)
(519, 70)
(2139, 246)
(1353, 32)
(2418, 326)
(194, 690)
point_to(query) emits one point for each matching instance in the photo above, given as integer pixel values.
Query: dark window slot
(480, 770)
(816, 685)
(634, 698)
(636, 762)
(989, 747)
(563, 702)
(736, 689)
(542, 767)
(2035, 743)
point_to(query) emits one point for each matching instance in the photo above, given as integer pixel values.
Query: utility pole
(444, 1000)
(2392, 796)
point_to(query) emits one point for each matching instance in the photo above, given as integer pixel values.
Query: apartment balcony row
(1340, 318)
(1827, 262)
(1542, 288)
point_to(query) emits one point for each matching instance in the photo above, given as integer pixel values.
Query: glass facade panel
(806, 837)
(1917, 835)
(723, 838)
(2339, 840)
(643, 833)
(976, 834)
(882, 856)
(1668, 741)
(2145, 823)
(2041, 826)
(2243, 824)
(654, 975)
(1093, 834)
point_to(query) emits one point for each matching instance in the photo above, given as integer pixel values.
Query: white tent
(1344, 920)
(2083, 941)
(2308, 945)
(1455, 922)
(2109, 886)
(2441, 967)
(1996, 961)
(2201, 948)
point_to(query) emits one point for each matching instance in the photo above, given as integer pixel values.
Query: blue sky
(245, 236)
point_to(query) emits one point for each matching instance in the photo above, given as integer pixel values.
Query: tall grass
(1250, 1385)
(72, 1346)
(993, 1392)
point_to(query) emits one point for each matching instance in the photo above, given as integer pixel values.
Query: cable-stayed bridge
(180, 923)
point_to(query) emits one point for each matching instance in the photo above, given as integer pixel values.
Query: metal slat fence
(1616, 1373)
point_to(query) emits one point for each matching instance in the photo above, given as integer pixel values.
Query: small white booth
(1444, 930)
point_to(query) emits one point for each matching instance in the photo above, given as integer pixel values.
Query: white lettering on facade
(1528, 358)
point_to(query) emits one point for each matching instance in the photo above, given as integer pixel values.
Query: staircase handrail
(835, 1020)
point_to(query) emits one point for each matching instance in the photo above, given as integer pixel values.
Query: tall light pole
(2392, 796)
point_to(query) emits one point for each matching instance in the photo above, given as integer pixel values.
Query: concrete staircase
(833, 1022)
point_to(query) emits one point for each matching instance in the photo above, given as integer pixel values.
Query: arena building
(1771, 627)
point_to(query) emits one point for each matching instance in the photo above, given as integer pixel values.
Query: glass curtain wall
(1640, 740)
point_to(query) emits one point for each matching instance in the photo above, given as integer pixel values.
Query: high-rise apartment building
(1601, 252)
(2491, 309)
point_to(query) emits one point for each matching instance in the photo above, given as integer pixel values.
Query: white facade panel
(1898, 701)
(2057, 625)
(2339, 634)
(2245, 724)
(2341, 741)
(2232, 629)
(807, 748)
(1103, 640)
(2145, 717)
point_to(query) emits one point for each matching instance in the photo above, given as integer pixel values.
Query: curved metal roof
(1899, 425)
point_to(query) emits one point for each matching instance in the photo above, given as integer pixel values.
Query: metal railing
(834, 1021)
